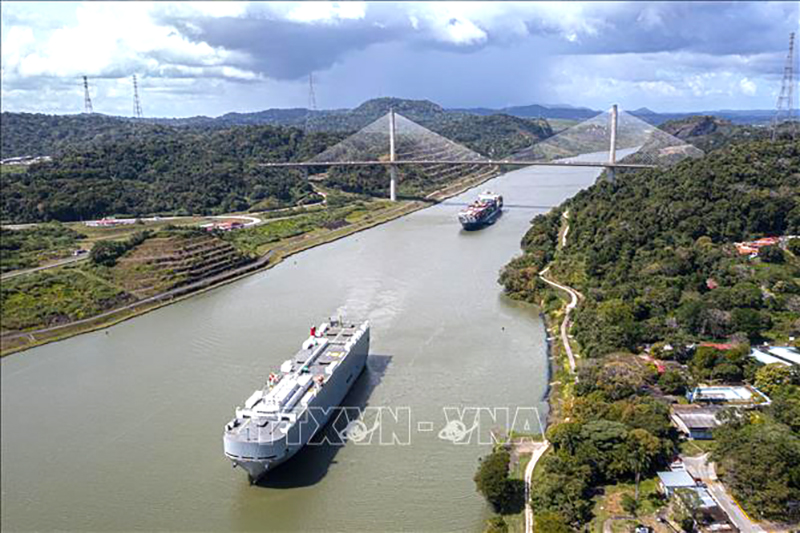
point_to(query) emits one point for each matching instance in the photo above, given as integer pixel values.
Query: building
(669, 482)
(25, 160)
(709, 516)
(695, 421)
(729, 395)
(785, 355)
(223, 226)
(752, 248)
(109, 222)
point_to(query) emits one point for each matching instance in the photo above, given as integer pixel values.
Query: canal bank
(21, 341)
(121, 429)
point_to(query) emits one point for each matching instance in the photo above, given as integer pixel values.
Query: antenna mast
(87, 100)
(785, 107)
(137, 106)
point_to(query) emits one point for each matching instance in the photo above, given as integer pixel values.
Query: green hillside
(643, 249)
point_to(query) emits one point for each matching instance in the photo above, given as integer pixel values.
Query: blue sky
(214, 57)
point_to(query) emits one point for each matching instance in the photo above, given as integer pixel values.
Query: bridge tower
(612, 148)
(87, 100)
(392, 157)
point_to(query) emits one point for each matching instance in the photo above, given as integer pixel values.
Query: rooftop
(677, 479)
(694, 417)
(729, 394)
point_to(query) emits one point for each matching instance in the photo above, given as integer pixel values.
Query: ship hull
(258, 458)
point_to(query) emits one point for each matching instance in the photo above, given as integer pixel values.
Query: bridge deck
(483, 162)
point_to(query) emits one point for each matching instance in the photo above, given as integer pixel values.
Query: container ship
(483, 211)
(279, 419)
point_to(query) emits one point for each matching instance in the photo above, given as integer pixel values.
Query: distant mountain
(39, 134)
(536, 111)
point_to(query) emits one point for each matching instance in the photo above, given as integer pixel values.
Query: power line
(137, 105)
(785, 106)
(87, 100)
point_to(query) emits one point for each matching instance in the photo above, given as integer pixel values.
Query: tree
(550, 522)
(760, 463)
(562, 485)
(672, 382)
(491, 480)
(496, 524)
(630, 504)
(106, 253)
(748, 321)
(643, 448)
(794, 246)
(771, 254)
(774, 376)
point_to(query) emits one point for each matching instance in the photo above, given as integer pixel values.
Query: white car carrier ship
(279, 419)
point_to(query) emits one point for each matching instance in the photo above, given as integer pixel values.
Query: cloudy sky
(214, 57)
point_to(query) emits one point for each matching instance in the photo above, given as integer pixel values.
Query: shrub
(771, 254)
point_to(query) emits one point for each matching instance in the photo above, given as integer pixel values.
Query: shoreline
(275, 256)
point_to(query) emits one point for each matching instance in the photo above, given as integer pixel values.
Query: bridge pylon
(392, 157)
(612, 148)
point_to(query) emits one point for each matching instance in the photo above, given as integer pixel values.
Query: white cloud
(327, 12)
(675, 53)
(747, 86)
(107, 40)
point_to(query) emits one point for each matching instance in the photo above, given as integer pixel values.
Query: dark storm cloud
(459, 54)
(709, 28)
(287, 49)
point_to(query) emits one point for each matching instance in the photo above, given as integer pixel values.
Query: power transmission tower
(312, 100)
(786, 107)
(137, 106)
(87, 100)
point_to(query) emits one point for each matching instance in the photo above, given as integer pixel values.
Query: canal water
(121, 429)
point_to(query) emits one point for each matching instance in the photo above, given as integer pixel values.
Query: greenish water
(121, 429)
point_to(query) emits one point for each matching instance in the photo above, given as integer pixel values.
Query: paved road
(251, 221)
(62, 262)
(700, 468)
(538, 452)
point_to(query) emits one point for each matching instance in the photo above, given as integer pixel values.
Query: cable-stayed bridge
(394, 141)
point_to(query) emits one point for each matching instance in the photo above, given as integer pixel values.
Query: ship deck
(263, 425)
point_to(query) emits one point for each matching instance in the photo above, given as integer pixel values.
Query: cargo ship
(295, 403)
(483, 211)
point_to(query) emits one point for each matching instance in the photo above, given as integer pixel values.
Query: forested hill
(643, 250)
(654, 256)
(39, 134)
(710, 133)
(168, 170)
(35, 134)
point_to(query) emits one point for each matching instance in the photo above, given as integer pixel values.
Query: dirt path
(538, 452)
(574, 298)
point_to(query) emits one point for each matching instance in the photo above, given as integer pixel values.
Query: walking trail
(542, 447)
